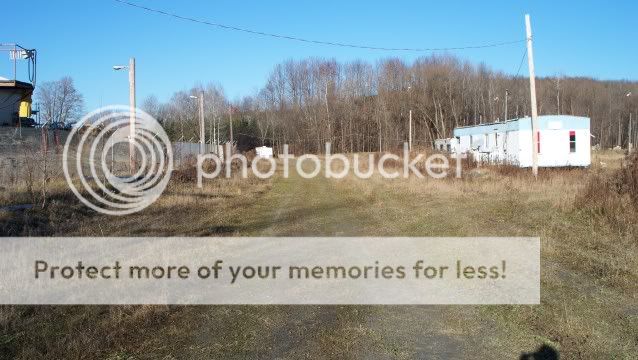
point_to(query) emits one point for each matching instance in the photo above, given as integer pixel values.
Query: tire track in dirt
(319, 207)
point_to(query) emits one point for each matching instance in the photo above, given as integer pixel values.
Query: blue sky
(83, 39)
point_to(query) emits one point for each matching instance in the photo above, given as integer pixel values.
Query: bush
(628, 178)
(614, 196)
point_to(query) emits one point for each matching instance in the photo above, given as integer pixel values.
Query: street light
(202, 135)
(131, 80)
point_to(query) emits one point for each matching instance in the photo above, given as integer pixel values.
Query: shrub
(614, 196)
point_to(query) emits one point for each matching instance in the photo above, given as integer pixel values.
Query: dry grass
(613, 195)
(115, 332)
(589, 265)
(63, 332)
(586, 219)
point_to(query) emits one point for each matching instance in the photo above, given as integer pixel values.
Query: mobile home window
(572, 141)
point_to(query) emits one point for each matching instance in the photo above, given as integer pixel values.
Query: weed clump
(614, 196)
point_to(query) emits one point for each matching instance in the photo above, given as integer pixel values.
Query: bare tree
(358, 106)
(60, 102)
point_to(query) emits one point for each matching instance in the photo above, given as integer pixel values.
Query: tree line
(359, 106)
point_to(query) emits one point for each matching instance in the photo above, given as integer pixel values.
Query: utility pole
(558, 95)
(210, 132)
(507, 92)
(211, 129)
(630, 138)
(202, 130)
(630, 145)
(532, 90)
(410, 118)
(215, 138)
(619, 140)
(230, 112)
(410, 132)
(131, 80)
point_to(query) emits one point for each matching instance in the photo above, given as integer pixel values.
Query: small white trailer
(263, 151)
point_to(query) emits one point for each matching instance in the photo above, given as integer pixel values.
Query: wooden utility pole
(507, 92)
(202, 130)
(131, 150)
(230, 112)
(410, 132)
(211, 129)
(532, 90)
(630, 145)
(558, 95)
(619, 139)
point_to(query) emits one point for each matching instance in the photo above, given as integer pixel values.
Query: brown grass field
(587, 220)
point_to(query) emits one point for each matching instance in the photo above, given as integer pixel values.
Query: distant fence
(21, 154)
(28, 155)
(183, 151)
(23, 159)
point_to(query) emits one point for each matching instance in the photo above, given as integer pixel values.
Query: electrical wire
(32, 66)
(320, 42)
(521, 64)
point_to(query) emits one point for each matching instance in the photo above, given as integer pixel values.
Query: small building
(562, 141)
(264, 151)
(15, 95)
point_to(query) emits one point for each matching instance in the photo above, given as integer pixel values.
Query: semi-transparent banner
(270, 270)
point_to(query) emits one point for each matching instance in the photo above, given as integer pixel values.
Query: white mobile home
(562, 141)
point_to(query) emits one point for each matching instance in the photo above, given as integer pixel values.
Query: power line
(295, 38)
(521, 64)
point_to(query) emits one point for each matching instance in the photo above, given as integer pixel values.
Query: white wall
(555, 150)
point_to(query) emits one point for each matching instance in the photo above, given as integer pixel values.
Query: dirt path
(320, 207)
